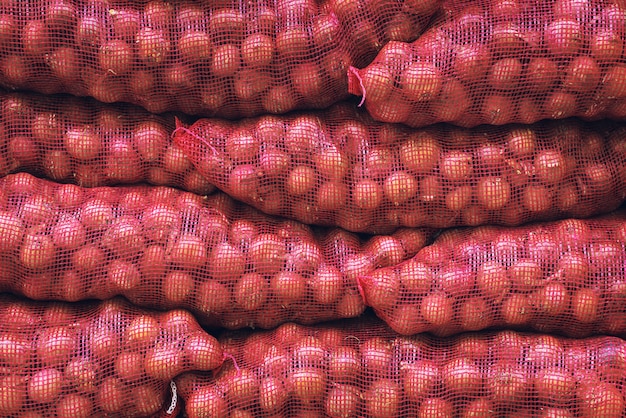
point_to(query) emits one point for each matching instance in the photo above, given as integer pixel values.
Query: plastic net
(362, 369)
(564, 277)
(163, 248)
(498, 62)
(339, 167)
(226, 58)
(80, 141)
(95, 359)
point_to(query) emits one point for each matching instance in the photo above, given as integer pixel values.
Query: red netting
(77, 140)
(95, 359)
(564, 277)
(225, 58)
(339, 167)
(164, 248)
(362, 369)
(497, 62)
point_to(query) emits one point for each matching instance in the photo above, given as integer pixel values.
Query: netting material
(80, 141)
(339, 167)
(223, 58)
(95, 359)
(564, 277)
(490, 62)
(160, 247)
(363, 369)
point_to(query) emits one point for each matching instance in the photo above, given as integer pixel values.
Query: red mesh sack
(80, 141)
(164, 248)
(339, 167)
(493, 62)
(564, 277)
(95, 359)
(362, 369)
(223, 58)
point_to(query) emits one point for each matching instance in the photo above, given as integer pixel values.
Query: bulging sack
(339, 167)
(163, 248)
(362, 369)
(223, 58)
(78, 140)
(489, 62)
(90, 359)
(564, 277)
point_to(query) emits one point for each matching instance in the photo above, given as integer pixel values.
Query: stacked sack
(452, 245)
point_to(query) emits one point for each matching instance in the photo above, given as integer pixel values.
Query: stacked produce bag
(313, 208)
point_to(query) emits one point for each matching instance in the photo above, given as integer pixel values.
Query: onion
(367, 195)
(516, 310)
(554, 384)
(74, 406)
(309, 384)
(383, 399)
(12, 232)
(327, 285)
(436, 308)
(115, 57)
(435, 407)
(12, 394)
(563, 37)
(505, 74)
(342, 401)
(420, 152)
(82, 143)
(153, 46)
(288, 287)
(307, 80)
(585, 305)
(45, 385)
(601, 399)
(582, 75)
(163, 362)
(129, 366)
(377, 82)
(110, 397)
(456, 165)
(148, 400)
(382, 289)
(272, 395)
(420, 81)
(37, 252)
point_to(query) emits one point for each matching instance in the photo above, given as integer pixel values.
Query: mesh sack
(224, 58)
(80, 141)
(339, 167)
(492, 62)
(564, 277)
(164, 248)
(95, 359)
(362, 369)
